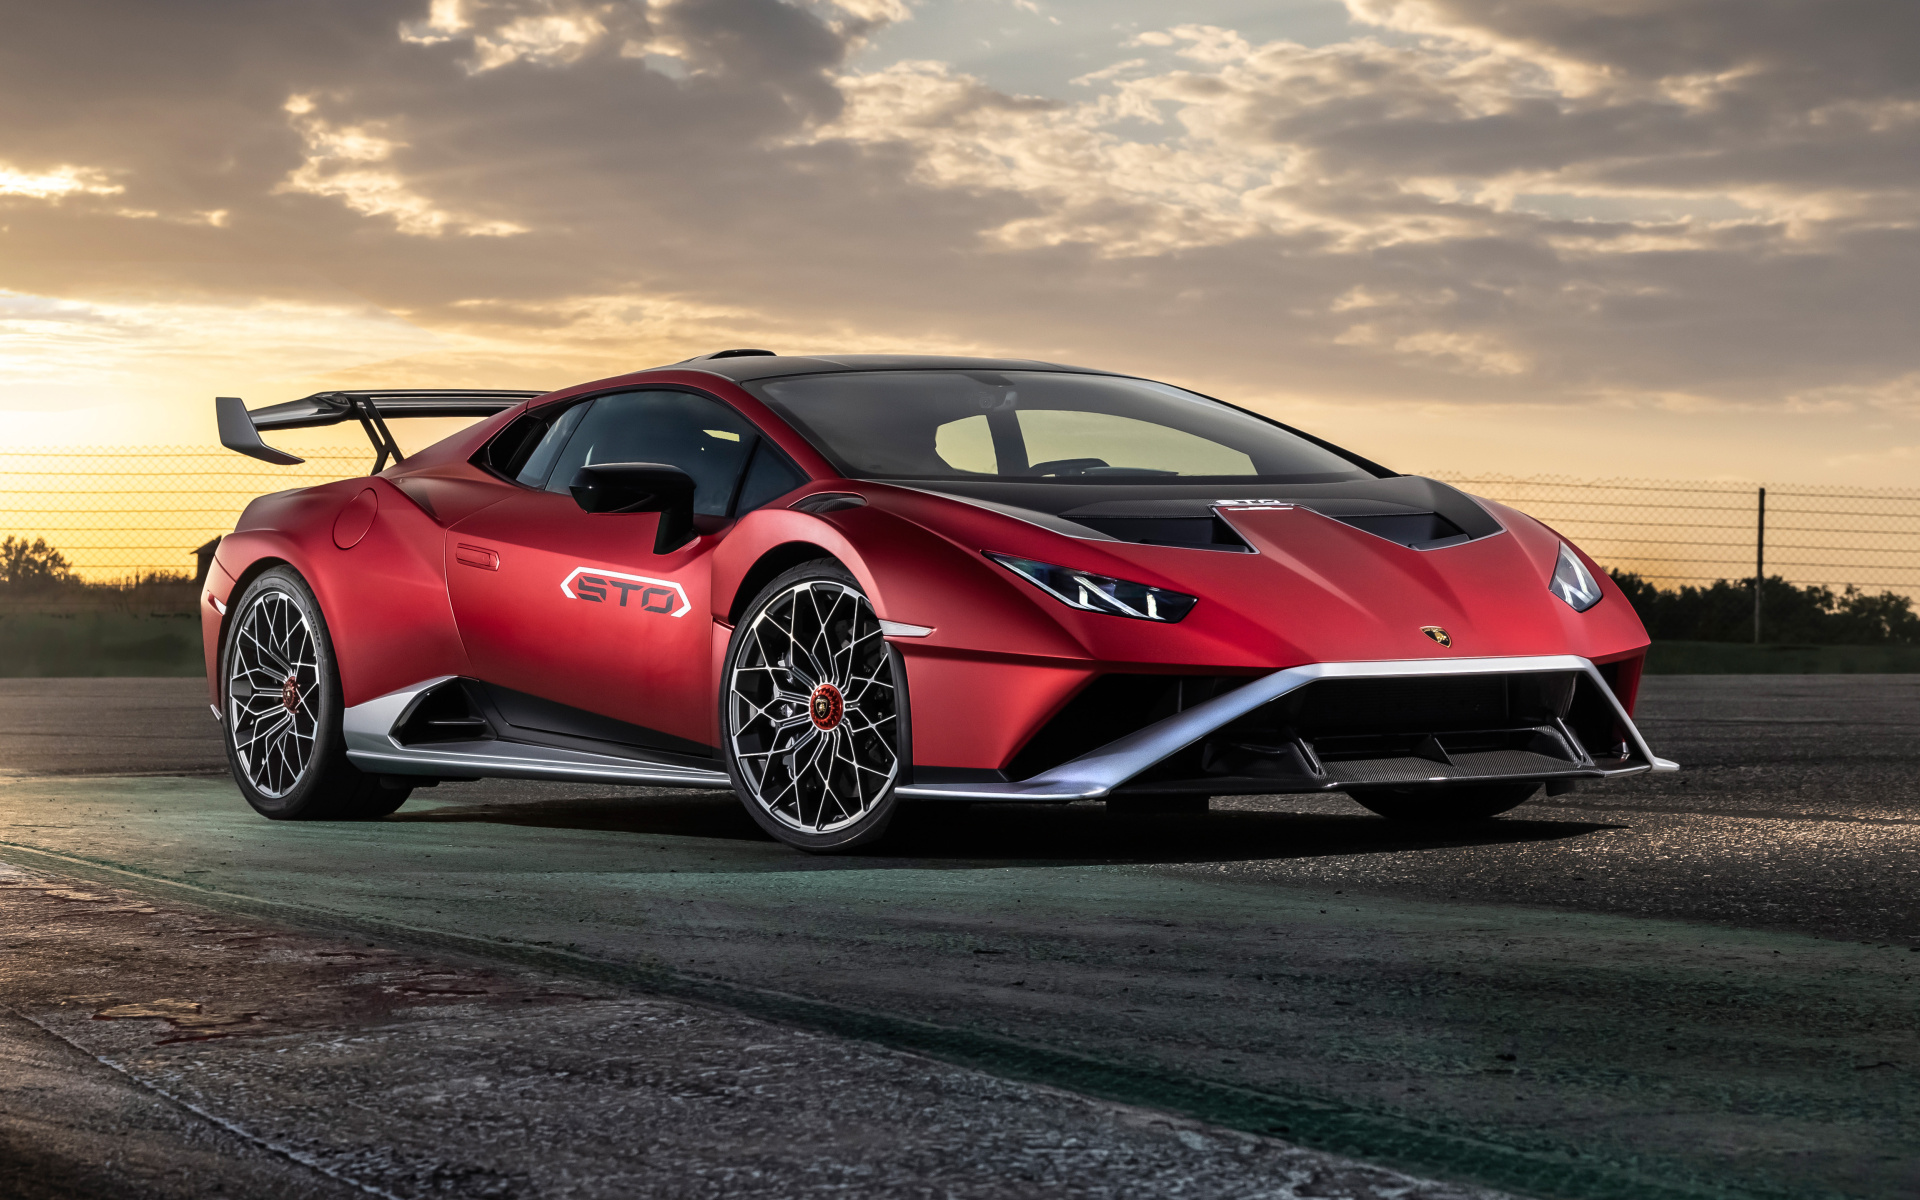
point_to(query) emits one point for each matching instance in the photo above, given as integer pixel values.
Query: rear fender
(384, 596)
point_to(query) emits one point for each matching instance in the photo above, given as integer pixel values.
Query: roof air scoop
(729, 354)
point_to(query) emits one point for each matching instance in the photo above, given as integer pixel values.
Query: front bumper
(1129, 763)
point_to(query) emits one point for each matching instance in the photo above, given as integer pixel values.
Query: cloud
(1567, 202)
(55, 183)
(349, 163)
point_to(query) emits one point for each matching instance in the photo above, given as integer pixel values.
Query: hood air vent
(1201, 533)
(1420, 530)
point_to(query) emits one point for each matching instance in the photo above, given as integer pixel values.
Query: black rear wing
(240, 429)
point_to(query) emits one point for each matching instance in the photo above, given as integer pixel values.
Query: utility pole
(1759, 563)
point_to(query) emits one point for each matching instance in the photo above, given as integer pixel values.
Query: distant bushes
(1818, 616)
(36, 577)
(34, 564)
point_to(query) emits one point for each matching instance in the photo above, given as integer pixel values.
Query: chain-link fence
(1674, 533)
(120, 513)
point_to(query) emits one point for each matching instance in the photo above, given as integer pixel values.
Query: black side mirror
(638, 488)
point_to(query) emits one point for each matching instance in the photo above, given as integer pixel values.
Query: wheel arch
(243, 581)
(215, 653)
(772, 563)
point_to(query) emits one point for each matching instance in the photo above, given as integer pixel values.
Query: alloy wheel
(273, 693)
(812, 708)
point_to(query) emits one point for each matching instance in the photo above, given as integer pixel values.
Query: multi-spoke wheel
(273, 694)
(282, 709)
(813, 711)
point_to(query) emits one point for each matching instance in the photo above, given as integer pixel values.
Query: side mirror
(639, 488)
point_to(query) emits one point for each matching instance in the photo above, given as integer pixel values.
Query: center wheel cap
(290, 693)
(826, 707)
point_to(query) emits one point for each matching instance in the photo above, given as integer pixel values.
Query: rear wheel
(1475, 802)
(281, 705)
(813, 712)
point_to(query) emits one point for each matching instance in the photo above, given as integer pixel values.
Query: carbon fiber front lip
(1094, 775)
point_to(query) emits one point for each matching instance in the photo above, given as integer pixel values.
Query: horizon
(1584, 239)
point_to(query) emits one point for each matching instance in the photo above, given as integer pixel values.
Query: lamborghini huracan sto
(836, 585)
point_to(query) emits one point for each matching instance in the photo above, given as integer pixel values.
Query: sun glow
(57, 183)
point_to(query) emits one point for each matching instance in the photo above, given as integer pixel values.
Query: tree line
(1813, 615)
(35, 567)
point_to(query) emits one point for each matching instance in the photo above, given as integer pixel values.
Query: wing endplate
(238, 433)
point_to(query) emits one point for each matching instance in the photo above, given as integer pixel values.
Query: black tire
(282, 728)
(808, 673)
(1475, 802)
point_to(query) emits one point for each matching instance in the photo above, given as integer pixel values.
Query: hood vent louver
(1200, 533)
(1418, 530)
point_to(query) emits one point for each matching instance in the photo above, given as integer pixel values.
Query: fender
(1027, 671)
(384, 597)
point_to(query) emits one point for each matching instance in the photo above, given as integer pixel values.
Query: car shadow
(998, 835)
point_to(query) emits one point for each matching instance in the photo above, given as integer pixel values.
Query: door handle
(477, 556)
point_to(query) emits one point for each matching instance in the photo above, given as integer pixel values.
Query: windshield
(1039, 426)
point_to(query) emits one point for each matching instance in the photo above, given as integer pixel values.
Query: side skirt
(372, 747)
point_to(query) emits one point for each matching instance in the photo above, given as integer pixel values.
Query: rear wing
(240, 429)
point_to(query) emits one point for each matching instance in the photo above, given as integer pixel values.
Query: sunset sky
(1671, 238)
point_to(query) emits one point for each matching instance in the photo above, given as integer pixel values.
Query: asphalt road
(1698, 984)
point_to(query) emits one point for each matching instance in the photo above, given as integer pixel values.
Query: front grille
(1422, 704)
(1337, 733)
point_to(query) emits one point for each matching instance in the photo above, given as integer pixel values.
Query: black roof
(768, 366)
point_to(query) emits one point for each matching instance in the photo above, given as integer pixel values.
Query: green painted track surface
(1545, 1051)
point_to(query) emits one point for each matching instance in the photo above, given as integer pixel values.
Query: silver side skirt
(371, 747)
(1095, 774)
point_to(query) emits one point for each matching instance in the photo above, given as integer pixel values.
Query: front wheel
(281, 710)
(813, 712)
(1475, 802)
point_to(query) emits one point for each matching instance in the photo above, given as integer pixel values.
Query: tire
(280, 707)
(1475, 802)
(813, 712)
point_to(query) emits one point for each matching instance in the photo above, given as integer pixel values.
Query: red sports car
(837, 584)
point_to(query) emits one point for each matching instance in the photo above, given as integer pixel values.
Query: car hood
(1292, 573)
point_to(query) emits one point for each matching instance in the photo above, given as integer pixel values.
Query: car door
(560, 607)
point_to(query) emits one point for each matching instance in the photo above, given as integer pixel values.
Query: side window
(702, 437)
(534, 472)
(769, 476)
(966, 445)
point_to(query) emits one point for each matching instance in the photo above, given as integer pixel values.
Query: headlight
(1572, 581)
(1098, 593)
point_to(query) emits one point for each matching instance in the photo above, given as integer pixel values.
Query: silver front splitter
(1098, 773)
